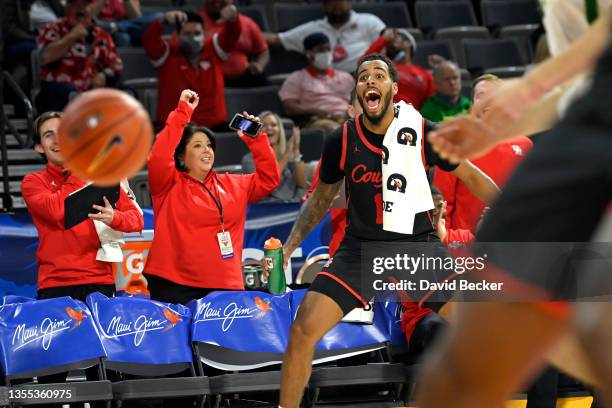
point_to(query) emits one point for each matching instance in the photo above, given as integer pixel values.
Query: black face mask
(339, 19)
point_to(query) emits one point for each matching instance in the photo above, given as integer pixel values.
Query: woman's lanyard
(217, 201)
(223, 237)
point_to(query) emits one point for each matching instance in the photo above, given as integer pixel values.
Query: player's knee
(304, 330)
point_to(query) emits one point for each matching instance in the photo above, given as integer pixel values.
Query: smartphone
(249, 127)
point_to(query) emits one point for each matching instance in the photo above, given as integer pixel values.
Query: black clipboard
(79, 203)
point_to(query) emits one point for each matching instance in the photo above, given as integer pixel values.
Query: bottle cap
(273, 243)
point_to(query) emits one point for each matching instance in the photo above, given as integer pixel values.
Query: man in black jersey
(558, 194)
(354, 153)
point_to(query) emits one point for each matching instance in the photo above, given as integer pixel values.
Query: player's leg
(323, 307)
(491, 351)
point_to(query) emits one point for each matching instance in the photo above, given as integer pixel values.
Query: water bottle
(273, 257)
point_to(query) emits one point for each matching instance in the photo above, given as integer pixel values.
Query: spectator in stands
(448, 101)
(76, 55)
(292, 169)
(350, 33)
(244, 65)
(199, 214)
(21, 22)
(123, 19)
(192, 60)
(318, 92)
(67, 259)
(414, 83)
(463, 208)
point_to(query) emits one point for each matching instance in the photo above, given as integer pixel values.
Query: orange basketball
(105, 136)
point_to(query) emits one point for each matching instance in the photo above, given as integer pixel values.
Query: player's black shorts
(342, 280)
(561, 190)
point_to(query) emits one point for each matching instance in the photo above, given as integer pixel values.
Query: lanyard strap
(218, 203)
(591, 10)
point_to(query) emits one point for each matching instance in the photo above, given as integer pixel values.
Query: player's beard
(375, 119)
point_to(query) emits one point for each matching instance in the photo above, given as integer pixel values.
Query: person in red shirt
(67, 264)
(463, 208)
(192, 60)
(199, 214)
(246, 63)
(123, 19)
(75, 56)
(415, 83)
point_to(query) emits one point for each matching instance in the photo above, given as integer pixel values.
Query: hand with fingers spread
(105, 214)
(462, 137)
(191, 97)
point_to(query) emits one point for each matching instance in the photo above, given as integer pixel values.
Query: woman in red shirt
(199, 214)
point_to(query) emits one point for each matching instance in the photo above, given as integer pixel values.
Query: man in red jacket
(190, 60)
(67, 264)
(462, 207)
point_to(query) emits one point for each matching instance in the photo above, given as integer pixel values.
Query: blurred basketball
(105, 136)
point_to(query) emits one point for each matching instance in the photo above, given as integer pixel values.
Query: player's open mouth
(372, 99)
(206, 159)
(55, 150)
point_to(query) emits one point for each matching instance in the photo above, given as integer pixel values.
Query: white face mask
(322, 60)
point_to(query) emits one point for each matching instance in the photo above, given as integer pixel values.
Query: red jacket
(463, 209)
(176, 73)
(68, 257)
(250, 44)
(414, 83)
(185, 249)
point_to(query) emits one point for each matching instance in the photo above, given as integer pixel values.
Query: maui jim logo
(227, 315)
(46, 331)
(232, 311)
(139, 327)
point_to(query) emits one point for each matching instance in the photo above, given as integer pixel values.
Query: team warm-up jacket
(68, 257)
(185, 248)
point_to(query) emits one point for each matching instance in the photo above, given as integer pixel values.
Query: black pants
(164, 290)
(78, 292)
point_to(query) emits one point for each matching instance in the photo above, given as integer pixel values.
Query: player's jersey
(354, 152)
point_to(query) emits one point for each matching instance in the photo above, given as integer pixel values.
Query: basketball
(105, 136)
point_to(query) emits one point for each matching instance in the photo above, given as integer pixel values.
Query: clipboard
(79, 203)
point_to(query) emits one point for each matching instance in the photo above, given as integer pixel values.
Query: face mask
(322, 60)
(191, 44)
(399, 56)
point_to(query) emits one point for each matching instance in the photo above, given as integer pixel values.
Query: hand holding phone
(247, 124)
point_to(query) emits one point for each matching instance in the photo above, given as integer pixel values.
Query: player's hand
(191, 97)
(173, 17)
(228, 13)
(462, 137)
(99, 80)
(509, 102)
(105, 213)
(250, 117)
(78, 32)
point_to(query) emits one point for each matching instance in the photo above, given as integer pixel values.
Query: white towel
(406, 191)
(111, 241)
